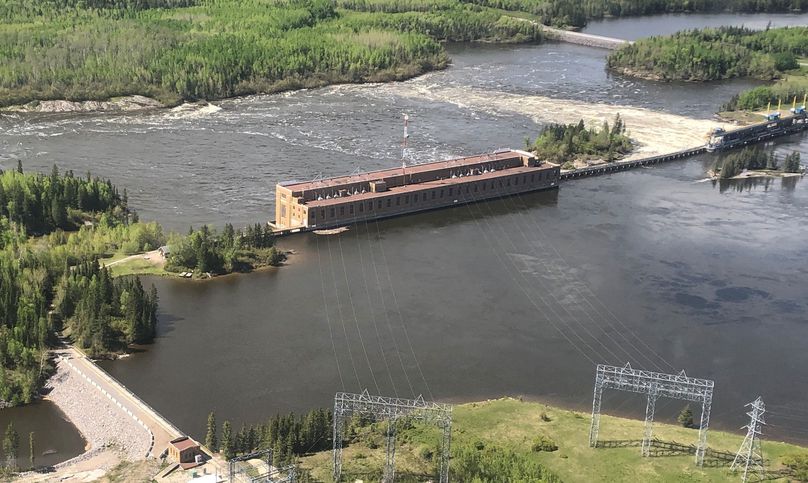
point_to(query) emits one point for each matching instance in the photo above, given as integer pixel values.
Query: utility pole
(750, 457)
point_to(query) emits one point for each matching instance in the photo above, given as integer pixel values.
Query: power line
(588, 299)
(353, 309)
(401, 318)
(532, 301)
(386, 315)
(327, 316)
(370, 305)
(341, 318)
(543, 289)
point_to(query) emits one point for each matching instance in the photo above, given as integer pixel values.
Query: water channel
(518, 296)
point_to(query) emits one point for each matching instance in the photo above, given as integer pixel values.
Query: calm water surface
(517, 296)
(55, 439)
(639, 27)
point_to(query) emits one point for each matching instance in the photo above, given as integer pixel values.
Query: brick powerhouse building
(344, 200)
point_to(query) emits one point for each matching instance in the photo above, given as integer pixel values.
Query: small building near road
(184, 451)
(164, 251)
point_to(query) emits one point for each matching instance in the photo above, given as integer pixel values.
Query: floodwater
(519, 296)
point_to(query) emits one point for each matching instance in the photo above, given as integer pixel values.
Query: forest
(564, 144)
(175, 50)
(53, 282)
(713, 54)
(287, 435)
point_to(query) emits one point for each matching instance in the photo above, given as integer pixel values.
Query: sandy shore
(112, 435)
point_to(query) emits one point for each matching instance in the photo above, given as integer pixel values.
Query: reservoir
(519, 296)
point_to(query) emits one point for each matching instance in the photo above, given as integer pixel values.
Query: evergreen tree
(685, 417)
(227, 441)
(212, 437)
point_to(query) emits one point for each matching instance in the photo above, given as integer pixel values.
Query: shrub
(543, 443)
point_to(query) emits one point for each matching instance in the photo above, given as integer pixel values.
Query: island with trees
(773, 54)
(713, 54)
(574, 145)
(185, 50)
(756, 162)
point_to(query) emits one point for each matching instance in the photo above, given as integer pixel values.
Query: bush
(543, 443)
(798, 464)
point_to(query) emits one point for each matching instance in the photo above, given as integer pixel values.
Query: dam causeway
(601, 169)
(579, 38)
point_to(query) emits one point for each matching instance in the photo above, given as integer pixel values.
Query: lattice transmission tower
(379, 408)
(750, 457)
(653, 385)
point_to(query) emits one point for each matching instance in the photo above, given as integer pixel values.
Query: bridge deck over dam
(607, 168)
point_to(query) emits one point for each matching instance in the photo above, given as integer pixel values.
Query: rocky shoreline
(119, 104)
(102, 424)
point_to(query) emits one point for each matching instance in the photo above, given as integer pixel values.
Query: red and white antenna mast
(404, 148)
(404, 142)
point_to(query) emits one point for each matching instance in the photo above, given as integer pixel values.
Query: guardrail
(160, 419)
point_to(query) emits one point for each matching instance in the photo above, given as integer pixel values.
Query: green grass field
(514, 425)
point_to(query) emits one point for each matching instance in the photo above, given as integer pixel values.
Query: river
(520, 296)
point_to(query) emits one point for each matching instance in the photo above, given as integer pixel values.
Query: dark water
(55, 439)
(517, 296)
(639, 27)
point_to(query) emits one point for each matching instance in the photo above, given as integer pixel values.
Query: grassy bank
(511, 427)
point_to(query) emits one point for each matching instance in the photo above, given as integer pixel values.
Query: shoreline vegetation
(713, 54)
(53, 231)
(503, 439)
(575, 146)
(774, 54)
(115, 55)
(756, 162)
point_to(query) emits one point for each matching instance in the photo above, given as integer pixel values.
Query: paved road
(161, 429)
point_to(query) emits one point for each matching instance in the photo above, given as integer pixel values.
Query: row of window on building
(389, 201)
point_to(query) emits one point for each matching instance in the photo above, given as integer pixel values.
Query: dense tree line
(560, 143)
(785, 90)
(713, 54)
(87, 53)
(103, 314)
(756, 159)
(192, 49)
(206, 250)
(40, 204)
(286, 435)
(53, 281)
